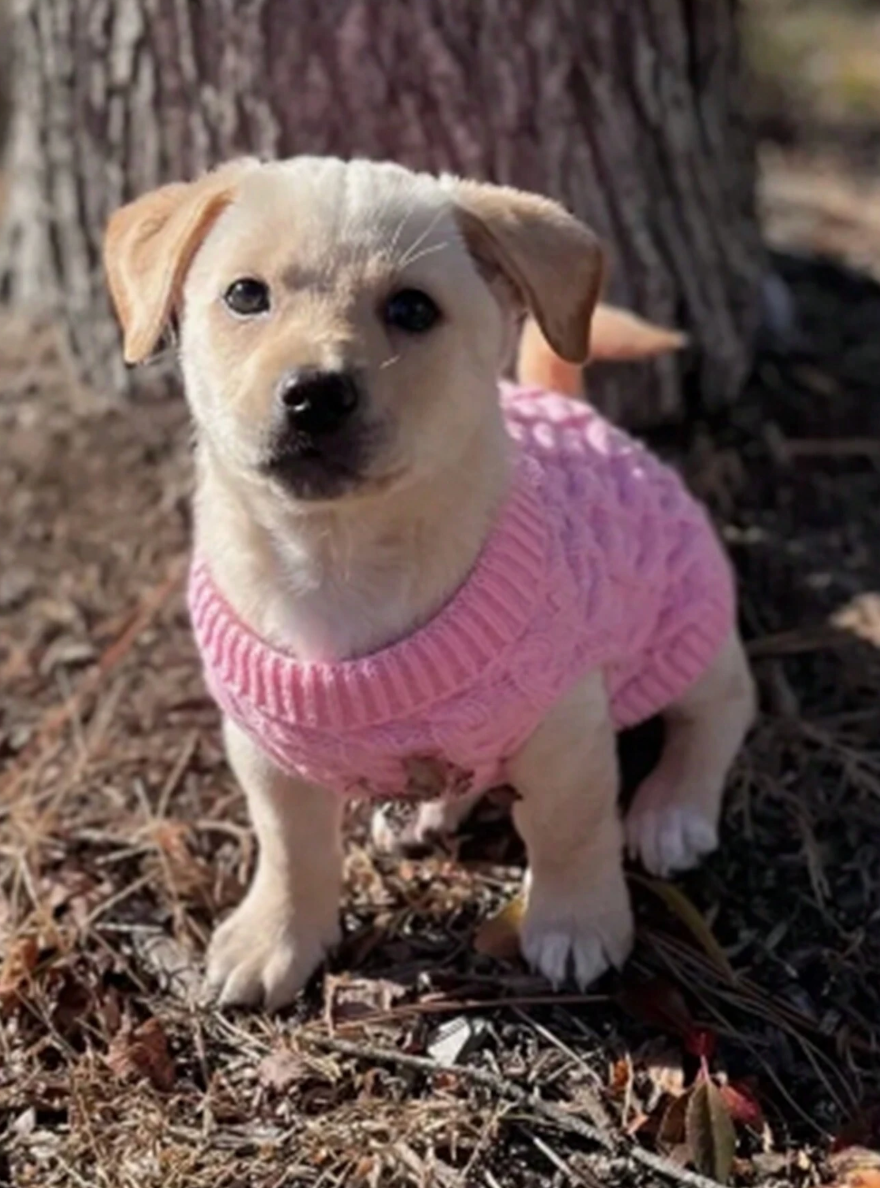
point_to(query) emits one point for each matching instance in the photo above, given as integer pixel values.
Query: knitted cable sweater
(599, 559)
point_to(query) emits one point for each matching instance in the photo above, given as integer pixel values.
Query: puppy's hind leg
(673, 821)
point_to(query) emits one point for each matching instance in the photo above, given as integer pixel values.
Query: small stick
(544, 1109)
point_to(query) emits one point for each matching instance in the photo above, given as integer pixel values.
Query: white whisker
(428, 251)
(413, 247)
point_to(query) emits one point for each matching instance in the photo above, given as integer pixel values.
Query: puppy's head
(342, 325)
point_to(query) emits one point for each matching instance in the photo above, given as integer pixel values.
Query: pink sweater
(599, 558)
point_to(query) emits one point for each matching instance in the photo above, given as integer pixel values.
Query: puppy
(409, 579)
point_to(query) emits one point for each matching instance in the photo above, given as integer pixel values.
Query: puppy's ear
(553, 261)
(149, 245)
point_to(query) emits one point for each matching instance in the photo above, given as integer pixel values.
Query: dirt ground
(750, 1014)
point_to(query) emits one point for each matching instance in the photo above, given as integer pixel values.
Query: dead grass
(122, 837)
(815, 64)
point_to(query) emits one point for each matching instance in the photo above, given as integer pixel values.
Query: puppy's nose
(319, 402)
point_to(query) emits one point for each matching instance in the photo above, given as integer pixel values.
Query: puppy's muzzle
(317, 404)
(318, 443)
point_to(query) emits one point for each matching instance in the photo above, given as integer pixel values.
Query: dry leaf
(672, 1131)
(189, 875)
(856, 1167)
(280, 1069)
(73, 1005)
(347, 999)
(860, 1175)
(680, 906)
(142, 1052)
(663, 1067)
(20, 963)
(710, 1133)
(861, 616)
(498, 937)
(620, 1077)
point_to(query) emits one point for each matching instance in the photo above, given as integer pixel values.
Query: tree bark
(627, 110)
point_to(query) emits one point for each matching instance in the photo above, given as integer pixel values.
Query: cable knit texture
(599, 558)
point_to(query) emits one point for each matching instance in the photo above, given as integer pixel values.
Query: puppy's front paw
(577, 933)
(666, 838)
(266, 951)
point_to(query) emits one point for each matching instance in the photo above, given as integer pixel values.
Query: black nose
(319, 402)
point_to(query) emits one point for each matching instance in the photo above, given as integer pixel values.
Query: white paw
(579, 936)
(265, 952)
(669, 838)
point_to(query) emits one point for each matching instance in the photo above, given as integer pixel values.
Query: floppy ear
(149, 245)
(553, 261)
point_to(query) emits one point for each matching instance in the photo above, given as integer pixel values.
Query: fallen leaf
(742, 1105)
(659, 1004)
(142, 1052)
(188, 874)
(347, 999)
(620, 1076)
(681, 907)
(170, 963)
(856, 1167)
(73, 1005)
(498, 937)
(709, 1130)
(21, 960)
(861, 617)
(662, 1065)
(672, 1131)
(859, 1177)
(279, 1070)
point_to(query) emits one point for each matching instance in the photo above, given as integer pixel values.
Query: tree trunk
(627, 110)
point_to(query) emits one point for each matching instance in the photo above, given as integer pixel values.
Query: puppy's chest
(339, 618)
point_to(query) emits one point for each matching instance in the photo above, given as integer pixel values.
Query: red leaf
(701, 1042)
(742, 1104)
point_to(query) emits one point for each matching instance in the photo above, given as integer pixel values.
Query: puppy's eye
(247, 297)
(411, 310)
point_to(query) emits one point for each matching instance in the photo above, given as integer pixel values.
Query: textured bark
(627, 110)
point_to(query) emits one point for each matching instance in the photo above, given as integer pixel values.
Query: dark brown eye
(247, 297)
(411, 310)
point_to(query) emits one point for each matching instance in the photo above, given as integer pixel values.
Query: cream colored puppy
(341, 329)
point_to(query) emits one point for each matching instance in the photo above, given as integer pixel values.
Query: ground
(751, 1010)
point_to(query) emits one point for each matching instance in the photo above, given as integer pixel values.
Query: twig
(588, 1179)
(551, 1113)
(834, 447)
(452, 1006)
(797, 642)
